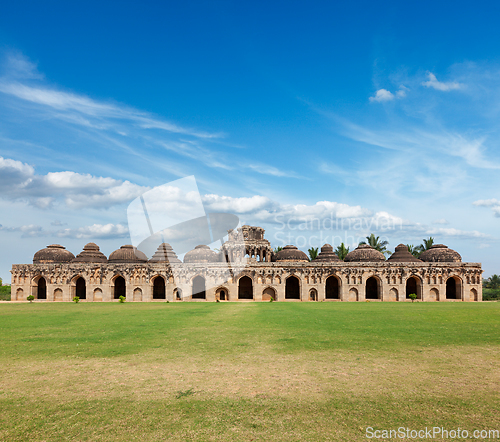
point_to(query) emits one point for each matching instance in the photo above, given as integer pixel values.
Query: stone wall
(389, 281)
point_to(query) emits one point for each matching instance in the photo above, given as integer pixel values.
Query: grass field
(245, 371)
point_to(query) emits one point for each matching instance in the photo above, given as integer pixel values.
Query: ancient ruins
(246, 271)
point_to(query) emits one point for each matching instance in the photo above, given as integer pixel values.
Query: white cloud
(493, 203)
(441, 221)
(19, 181)
(95, 231)
(451, 232)
(440, 86)
(382, 95)
(386, 95)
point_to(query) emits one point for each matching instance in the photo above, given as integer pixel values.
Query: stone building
(246, 269)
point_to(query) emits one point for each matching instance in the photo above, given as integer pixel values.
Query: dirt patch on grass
(466, 372)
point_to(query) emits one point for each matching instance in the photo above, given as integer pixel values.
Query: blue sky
(363, 116)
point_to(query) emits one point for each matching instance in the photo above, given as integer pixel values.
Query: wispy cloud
(433, 83)
(386, 95)
(493, 203)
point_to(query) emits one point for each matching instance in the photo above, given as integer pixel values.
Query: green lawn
(245, 371)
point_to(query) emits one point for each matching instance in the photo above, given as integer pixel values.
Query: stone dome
(364, 253)
(127, 253)
(201, 254)
(91, 253)
(291, 253)
(327, 254)
(440, 253)
(165, 253)
(54, 253)
(402, 254)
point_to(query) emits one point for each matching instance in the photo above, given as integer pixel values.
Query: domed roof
(91, 253)
(54, 253)
(165, 253)
(291, 253)
(127, 253)
(201, 254)
(327, 254)
(402, 254)
(440, 253)
(364, 253)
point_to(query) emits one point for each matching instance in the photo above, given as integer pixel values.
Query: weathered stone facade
(290, 278)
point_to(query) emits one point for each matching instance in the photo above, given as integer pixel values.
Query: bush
(30, 298)
(76, 299)
(122, 299)
(5, 292)
(412, 296)
(491, 294)
(272, 299)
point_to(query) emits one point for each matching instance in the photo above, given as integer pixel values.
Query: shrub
(76, 299)
(412, 296)
(272, 299)
(122, 299)
(30, 298)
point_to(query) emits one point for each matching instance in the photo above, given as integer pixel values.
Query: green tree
(412, 296)
(278, 249)
(377, 244)
(313, 253)
(342, 251)
(414, 250)
(493, 282)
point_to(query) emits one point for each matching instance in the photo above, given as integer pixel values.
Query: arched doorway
(199, 288)
(473, 295)
(413, 286)
(159, 288)
(372, 291)
(178, 294)
(137, 295)
(453, 288)
(222, 294)
(313, 295)
(81, 289)
(41, 291)
(332, 288)
(245, 288)
(268, 294)
(119, 287)
(292, 288)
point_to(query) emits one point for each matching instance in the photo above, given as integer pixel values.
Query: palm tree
(342, 251)
(313, 253)
(377, 244)
(426, 245)
(493, 282)
(414, 250)
(278, 249)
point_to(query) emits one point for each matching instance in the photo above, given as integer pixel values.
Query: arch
(413, 285)
(58, 294)
(433, 295)
(372, 288)
(119, 287)
(292, 287)
(332, 287)
(158, 288)
(98, 295)
(245, 288)
(178, 294)
(453, 288)
(138, 294)
(393, 294)
(353, 294)
(198, 290)
(19, 294)
(313, 295)
(473, 295)
(40, 288)
(80, 288)
(222, 294)
(268, 294)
